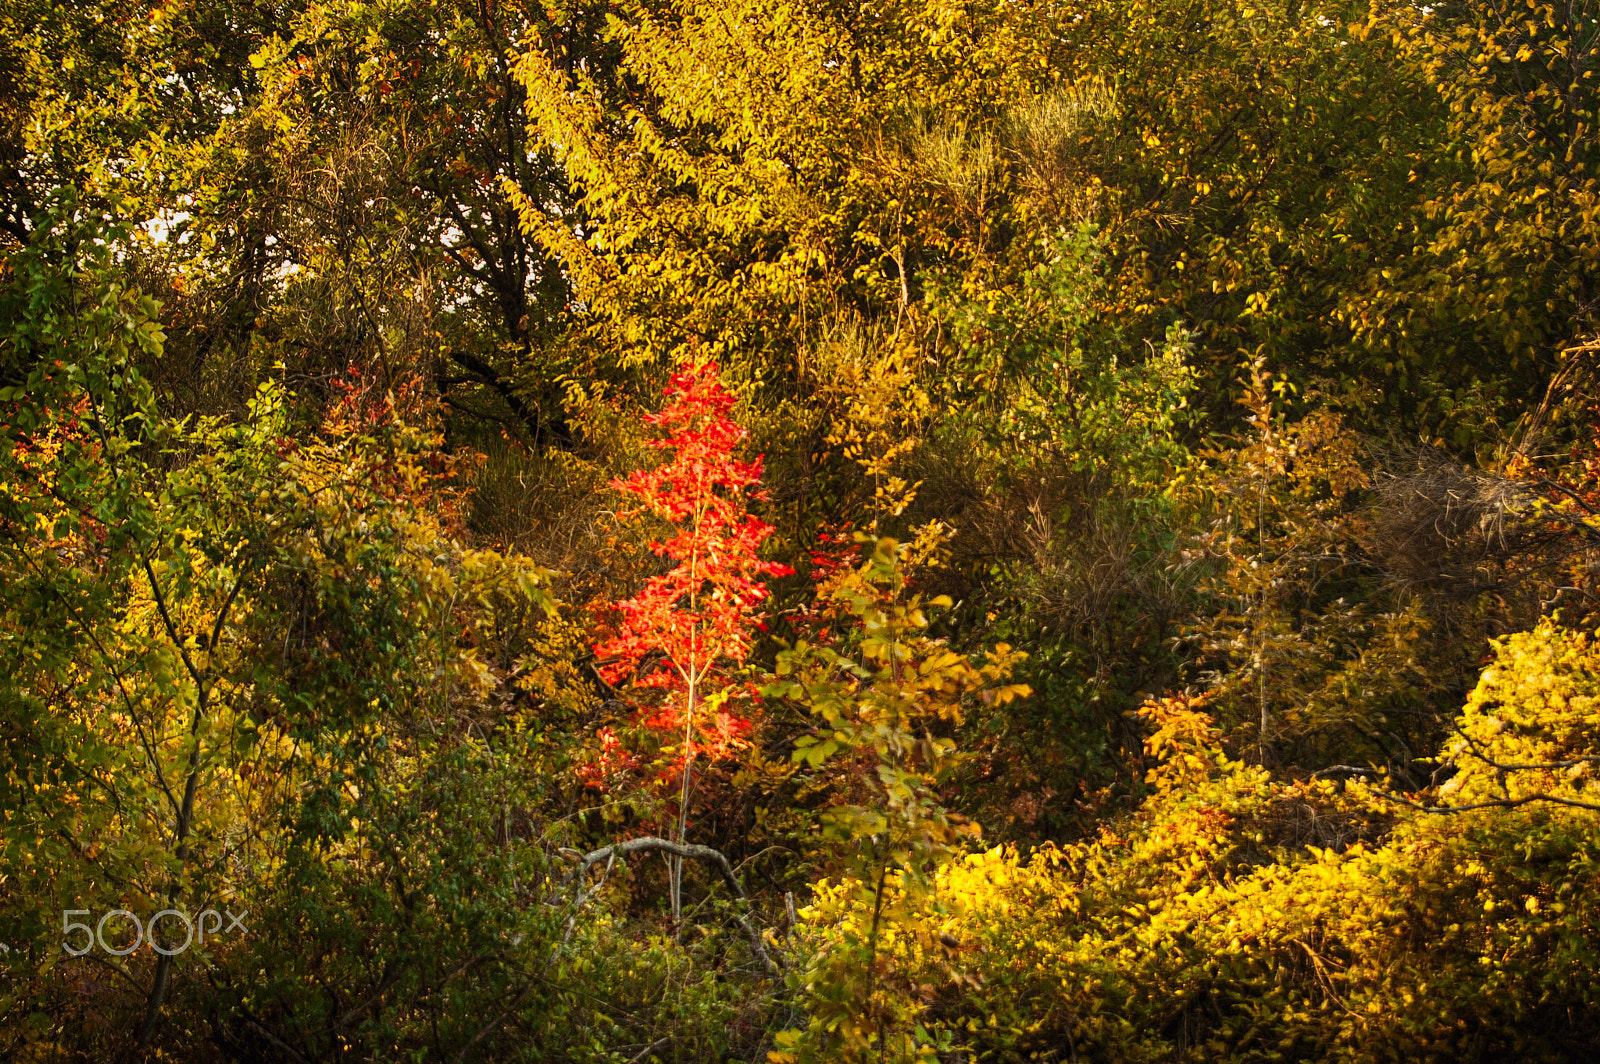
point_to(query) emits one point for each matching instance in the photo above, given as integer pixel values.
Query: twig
(659, 1043)
(488, 1028)
(277, 1042)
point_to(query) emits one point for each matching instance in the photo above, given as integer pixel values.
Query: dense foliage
(739, 530)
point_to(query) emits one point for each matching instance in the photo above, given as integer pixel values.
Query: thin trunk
(1261, 561)
(203, 684)
(683, 802)
(692, 679)
(158, 989)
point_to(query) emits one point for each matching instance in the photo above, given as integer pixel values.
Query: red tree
(687, 632)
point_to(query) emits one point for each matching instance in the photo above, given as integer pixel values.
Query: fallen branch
(690, 851)
(1343, 770)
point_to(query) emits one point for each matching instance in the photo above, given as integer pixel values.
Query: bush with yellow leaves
(1455, 925)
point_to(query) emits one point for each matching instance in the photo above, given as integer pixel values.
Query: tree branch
(1494, 803)
(553, 430)
(690, 851)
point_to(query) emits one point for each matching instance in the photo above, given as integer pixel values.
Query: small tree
(684, 634)
(878, 692)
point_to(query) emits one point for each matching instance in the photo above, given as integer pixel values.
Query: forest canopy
(740, 530)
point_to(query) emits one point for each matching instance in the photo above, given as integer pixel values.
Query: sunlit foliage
(742, 530)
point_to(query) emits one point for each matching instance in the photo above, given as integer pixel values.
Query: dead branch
(690, 851)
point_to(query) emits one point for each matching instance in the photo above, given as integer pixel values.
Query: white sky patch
(160, 227)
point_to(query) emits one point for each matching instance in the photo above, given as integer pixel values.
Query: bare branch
(690, 851)
(1494, 803)
(1343, 770)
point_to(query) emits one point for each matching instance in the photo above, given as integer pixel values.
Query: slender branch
(277, 1043)
(116, 674)
(1494, 803)
(158, 989)
(119, 969)
(172, 629)
(659, 1043)
(489, 1028)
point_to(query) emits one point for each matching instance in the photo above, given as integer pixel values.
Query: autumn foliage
(678, 643)
(1183, 417)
